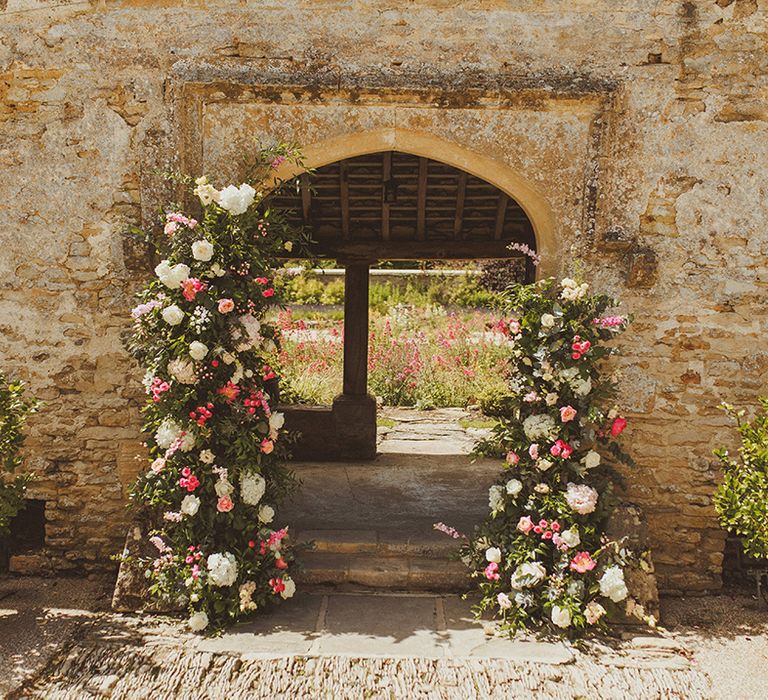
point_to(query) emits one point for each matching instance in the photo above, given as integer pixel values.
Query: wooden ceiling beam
(413, 250)
(461, 194)
(421, 211)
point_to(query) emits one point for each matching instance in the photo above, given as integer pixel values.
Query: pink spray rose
(525, 524)
(225, 504)
(226, 305)
(491, 571)
(567, 413)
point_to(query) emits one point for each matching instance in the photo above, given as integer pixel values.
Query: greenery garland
(541, 556)
(213, 434)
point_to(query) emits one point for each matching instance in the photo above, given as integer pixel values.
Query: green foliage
(741, 500)
(14, 410)
(497, 401)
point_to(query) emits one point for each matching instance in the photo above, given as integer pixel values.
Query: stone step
(381, 543)
(389, 573)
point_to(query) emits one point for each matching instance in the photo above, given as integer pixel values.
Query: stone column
(354, 411)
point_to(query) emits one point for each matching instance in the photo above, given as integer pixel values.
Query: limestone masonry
(633, 133)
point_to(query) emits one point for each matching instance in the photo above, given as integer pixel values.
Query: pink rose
(567, 413)
(525, 524)
(533, 451)
(226, 305)
(582, 562)
(158, 465)
(225, 504)
(267, 446)
(512, 458)
(491, 571)
(618, 426)
(561, 449)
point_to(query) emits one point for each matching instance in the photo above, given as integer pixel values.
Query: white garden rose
(573, 291)
(543, 464)
(612, 584)
(218, 270)
(496, 498)
(561, 616)
(223, 488)
(197, 350)
(571, 537)
(182, 371)
(252, 487)
(198, 621)
(205, 192)
(171, 277)
(493, 554)
(236, 200)
(290, 588)
(539, 426)
(541, 488)
(187, 441)
(514, 487)
(222, 569)
(167, 433)
(547, 320)
(266, 514)
(276, 421)
(528, 575)
(207, 457)
(202, 250)
(190, 504)
(581, 387)
(581, 498)
(591, 460)
(172, 315)
(551, 398)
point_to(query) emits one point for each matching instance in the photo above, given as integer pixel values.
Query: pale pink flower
(582, 562)
(567, 413)
(503, 600)
(533, 450)
(525, 524)
(158, 465)
(512, 458)
(226, 305)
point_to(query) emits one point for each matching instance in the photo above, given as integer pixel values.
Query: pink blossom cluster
(525, 249)
(448, 530)
(202, 413)
(143, 309)
(173, 219)
(561, 449)
(158, 388)
(609, 321)
(578, 347)
(492, 571)
(188, 480)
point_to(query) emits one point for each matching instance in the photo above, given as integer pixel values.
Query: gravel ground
(728, 637)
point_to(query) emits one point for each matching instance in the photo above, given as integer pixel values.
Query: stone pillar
(354, 411)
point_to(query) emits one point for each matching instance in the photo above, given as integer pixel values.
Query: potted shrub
(741, 500)
(14, 409)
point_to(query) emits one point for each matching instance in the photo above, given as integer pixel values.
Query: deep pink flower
(618, 426)
(268, 293)
(582, 562)
(491, 571)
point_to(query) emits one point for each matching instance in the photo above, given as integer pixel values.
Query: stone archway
(356, 217)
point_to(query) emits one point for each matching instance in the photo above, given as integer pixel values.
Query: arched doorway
(392, 205)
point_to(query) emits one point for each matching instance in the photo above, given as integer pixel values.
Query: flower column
(354, 411)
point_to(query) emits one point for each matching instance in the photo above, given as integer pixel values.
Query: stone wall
(634, 133)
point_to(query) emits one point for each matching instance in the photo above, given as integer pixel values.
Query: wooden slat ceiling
(395, 205)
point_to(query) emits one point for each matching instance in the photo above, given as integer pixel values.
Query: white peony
(252, 487)
(167, 433)
(493, 554)
(571, 537)
(528, 575)
(612, 584)
(207, 457)
(266, 514)
(182, 371)
(172, 315)
(547, 320)
(190, 504)
(561, 616)
(514, 487)
(290, 588)
(539, 426)
(581, 498)
(202, 250)
(198, 350)
(496, 498)
(591, 460)
(171, 277)
(222, 569)
(236, 200)
(198, 621)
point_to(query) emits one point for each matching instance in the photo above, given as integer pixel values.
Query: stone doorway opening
(391, 205)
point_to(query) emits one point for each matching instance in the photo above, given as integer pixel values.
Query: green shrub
(741, 500)
(497, 400)
(14, 409)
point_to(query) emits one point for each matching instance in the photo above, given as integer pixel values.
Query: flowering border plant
(214, 438)
(541, 556)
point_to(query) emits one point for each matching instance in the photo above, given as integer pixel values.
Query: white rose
(222, 569)
(252, 487)
(581, 387)
(207, 457)
(236, 200)
(228, 358)
(266, 514)
(581, 498)
(205, 192)
(198, 621)
(561, 616)
(218, 270)
(290, 588)
(202, 250)
(190, 504)
(198, 350)
(547, 320)
(496, 498)
(591, 460)
(543, 464)
(514, 487)
(528, 575)
(541, 488)
(276, 421)
(612, 584)
(171, 277)
(172, 315)
(551, 399)
(571, 537)
(223, 488)
(493, 554)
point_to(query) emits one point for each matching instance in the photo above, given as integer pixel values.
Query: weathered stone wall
(635, 132)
